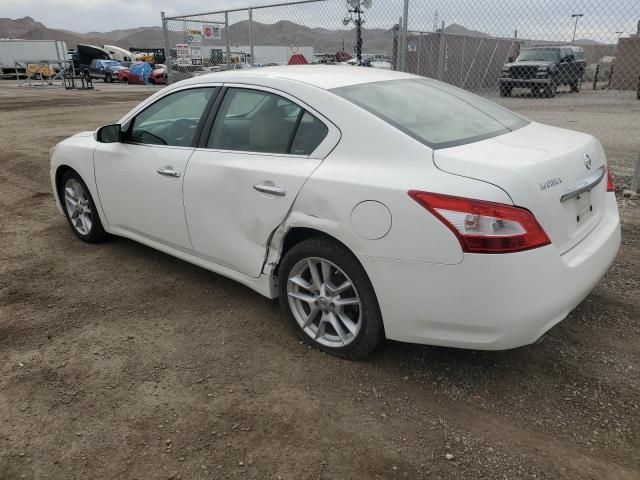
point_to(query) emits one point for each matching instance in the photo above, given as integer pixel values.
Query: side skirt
(264, 284)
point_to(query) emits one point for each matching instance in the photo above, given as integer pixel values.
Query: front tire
(79, 208)
(576, 86)
(505, 91)
(328, 299)
(550, 90)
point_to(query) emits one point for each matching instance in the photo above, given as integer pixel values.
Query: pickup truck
(106, 70)
(543, 69)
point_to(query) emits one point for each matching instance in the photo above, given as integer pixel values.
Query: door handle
(168, 172)
(270, 188)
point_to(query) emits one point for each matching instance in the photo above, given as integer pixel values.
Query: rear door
(255, 154)
(94, 70)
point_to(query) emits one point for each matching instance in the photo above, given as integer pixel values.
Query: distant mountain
(586, 41)
(375, 40)
(29, 29)
(279, 33)
(455, 29)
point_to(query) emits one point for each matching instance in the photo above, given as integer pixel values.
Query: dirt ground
(117, 361)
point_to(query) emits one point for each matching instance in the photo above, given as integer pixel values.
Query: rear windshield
(434, 113)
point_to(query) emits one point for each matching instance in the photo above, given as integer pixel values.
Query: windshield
(433, 113)
(539, 55)
(111, 63)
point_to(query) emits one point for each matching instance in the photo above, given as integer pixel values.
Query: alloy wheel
(78, 207)
(325, 302)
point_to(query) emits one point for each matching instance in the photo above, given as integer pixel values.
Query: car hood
(529, 64)
(87, 133)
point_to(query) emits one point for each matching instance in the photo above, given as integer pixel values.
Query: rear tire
(79, 208)
(328, 299)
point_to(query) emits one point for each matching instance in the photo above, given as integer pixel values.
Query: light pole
(357, 7)
(577, 16)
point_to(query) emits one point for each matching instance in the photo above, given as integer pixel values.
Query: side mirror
(109, 134)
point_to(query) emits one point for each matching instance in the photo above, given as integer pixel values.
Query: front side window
(433, 113)
(254, 121)
(173, 119)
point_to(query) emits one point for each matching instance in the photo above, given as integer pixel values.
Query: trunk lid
(536, 165)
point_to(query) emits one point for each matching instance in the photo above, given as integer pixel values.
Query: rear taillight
(485, 227)
(610, 186)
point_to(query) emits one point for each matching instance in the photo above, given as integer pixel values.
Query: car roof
(322, 76)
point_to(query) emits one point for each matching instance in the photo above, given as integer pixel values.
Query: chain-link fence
(575, 63)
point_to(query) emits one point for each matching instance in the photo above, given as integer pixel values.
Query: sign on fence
(196, 55)
(183, 55)
(212, 32)
(194, 36)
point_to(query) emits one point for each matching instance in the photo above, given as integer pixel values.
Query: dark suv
(542, 69)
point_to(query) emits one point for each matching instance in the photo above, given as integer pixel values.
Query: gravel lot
(117, 361)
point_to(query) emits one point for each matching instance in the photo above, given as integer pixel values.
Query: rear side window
(309, 135)
(262, 122)
(433, 113)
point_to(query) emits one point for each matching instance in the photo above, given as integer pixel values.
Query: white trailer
(118, 53)
(25, 51)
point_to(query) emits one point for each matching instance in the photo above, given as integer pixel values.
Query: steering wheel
(181, 131)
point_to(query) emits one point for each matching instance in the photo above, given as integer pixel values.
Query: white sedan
(375, 204)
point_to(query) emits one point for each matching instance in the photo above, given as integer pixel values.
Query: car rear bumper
(491, 302)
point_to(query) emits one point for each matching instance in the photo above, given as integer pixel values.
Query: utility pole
(577, 16)
(357, 7)
(358, 22)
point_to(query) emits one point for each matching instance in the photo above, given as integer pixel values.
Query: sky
(544, 19)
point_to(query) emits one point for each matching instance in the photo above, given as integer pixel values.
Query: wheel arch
(60, 171)
(295, 235)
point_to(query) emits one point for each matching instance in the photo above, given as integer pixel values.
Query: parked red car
(158, 75)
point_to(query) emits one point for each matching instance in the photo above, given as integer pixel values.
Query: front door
(240, 186)
(140, 179)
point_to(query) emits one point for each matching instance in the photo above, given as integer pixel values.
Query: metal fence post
(226, 34)
(440, 72)
(635, 181)
(251, 35)
(405, 30)
(167, 48)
